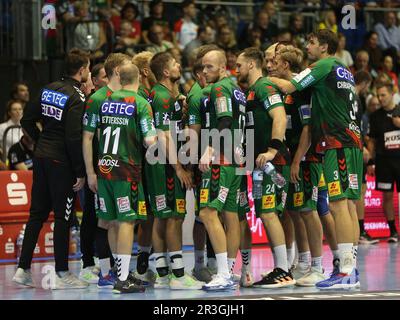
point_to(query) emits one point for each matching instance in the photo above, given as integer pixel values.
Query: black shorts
(387, 172)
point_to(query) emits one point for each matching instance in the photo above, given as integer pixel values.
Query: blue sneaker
(220, 283)
(106, 282)
(340, 281)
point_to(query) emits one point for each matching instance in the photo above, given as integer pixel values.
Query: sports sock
(123, 266)
(304, 260)
(177, 263)
(281, 257)
(346, 257)
(246, 260)
(198, 260)
(222, 264)
(231, 264)
(316, 263)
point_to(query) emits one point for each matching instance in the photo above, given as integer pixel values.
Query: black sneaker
(394, 237)
(277, 278)
(365, 238)
(127, 286)
(135, 280)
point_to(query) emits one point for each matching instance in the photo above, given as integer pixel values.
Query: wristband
(276, 144)
(370, 162)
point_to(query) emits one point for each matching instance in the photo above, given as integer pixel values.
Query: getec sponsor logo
(107, 163)
(53, 103)
(118, 108)
(239, 96)
(344, 74)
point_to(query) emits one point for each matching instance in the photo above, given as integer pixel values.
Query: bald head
(129, 74)
(214, 63)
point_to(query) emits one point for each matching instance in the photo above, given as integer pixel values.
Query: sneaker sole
(69, 288)
(392, 241)
(368, 242)
(208, 289)
(89, 281)
(307, 284)
(23, 285)
(341, 286)
(122, 292)
(274, 286)
(186, 288)
(161, 286)
(105, 287)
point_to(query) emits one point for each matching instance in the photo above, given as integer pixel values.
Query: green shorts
(120, 200)
(304, 194)
(220, 188)
(273, 199)
(167, 197)
(343, 173)
(244, 206)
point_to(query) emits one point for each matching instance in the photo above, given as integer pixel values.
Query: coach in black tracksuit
(58, 167)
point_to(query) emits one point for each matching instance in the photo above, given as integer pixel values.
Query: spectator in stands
(204, 36)
(387, 68)
(125, 43)
(99, 76)
(131, 31)
(268, 29)
(388, 32)
(252, 39)
(296, 25)
(342, 53)
(269, 7)
(231, 57)
(13, 117)
(117, 6)
(156, 38)
(328, 21)
(88, 36)
(285, 35)
(374, 52)
(20, 92)
(226, 38)
(362, 63)
(185, 29)
(156, 17)
(66, 13)
(384, 78)
(20, 154)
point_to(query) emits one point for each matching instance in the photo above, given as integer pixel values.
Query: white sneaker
(220, 283)
(69, 281)
(148, 278)
(185, 283)
(236, 277)
(162, 282)
(246, 280)
(24, 278)
(88, 274)
(299, 272)
(310, 279)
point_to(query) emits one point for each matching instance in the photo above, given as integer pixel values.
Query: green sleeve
(91, 115)
(162, 108)
(221, 96)
(312, 75)
(146, 121)
(194, 109)
(269, 96)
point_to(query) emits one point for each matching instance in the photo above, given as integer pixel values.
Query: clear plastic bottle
(276, 177)
(257, 184)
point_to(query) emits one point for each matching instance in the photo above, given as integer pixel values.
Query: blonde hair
(292, 55)
(142, 60)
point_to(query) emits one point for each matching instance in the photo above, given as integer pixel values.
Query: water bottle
(257, 184)
(276, 177)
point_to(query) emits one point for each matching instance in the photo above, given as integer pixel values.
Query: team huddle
(295, 132)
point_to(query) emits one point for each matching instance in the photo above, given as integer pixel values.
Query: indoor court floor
(379, 267)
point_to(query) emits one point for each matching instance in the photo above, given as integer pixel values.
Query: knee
(103, 224)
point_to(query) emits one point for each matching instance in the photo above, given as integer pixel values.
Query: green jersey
(262, 97)
(333, 104)
(298, 114)
(144, 93)
(226, 99)
(125, 120)
(91, 116)
(167, 110)
(195, 98)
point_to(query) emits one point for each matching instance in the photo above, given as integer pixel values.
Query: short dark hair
(328, 37)
(197, 67)
(158, 63)
(362, 76)
(96, 69)
(129, 5)
(254, 54)
(186, 3)
(74, 60)
(384, 84)
(15, 87)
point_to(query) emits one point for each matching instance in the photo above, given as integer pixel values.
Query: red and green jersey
(226, 99)
(333, 103)
(262, 97)
(93, 104)
(195, 98)
(144, 93)
(125, 120)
